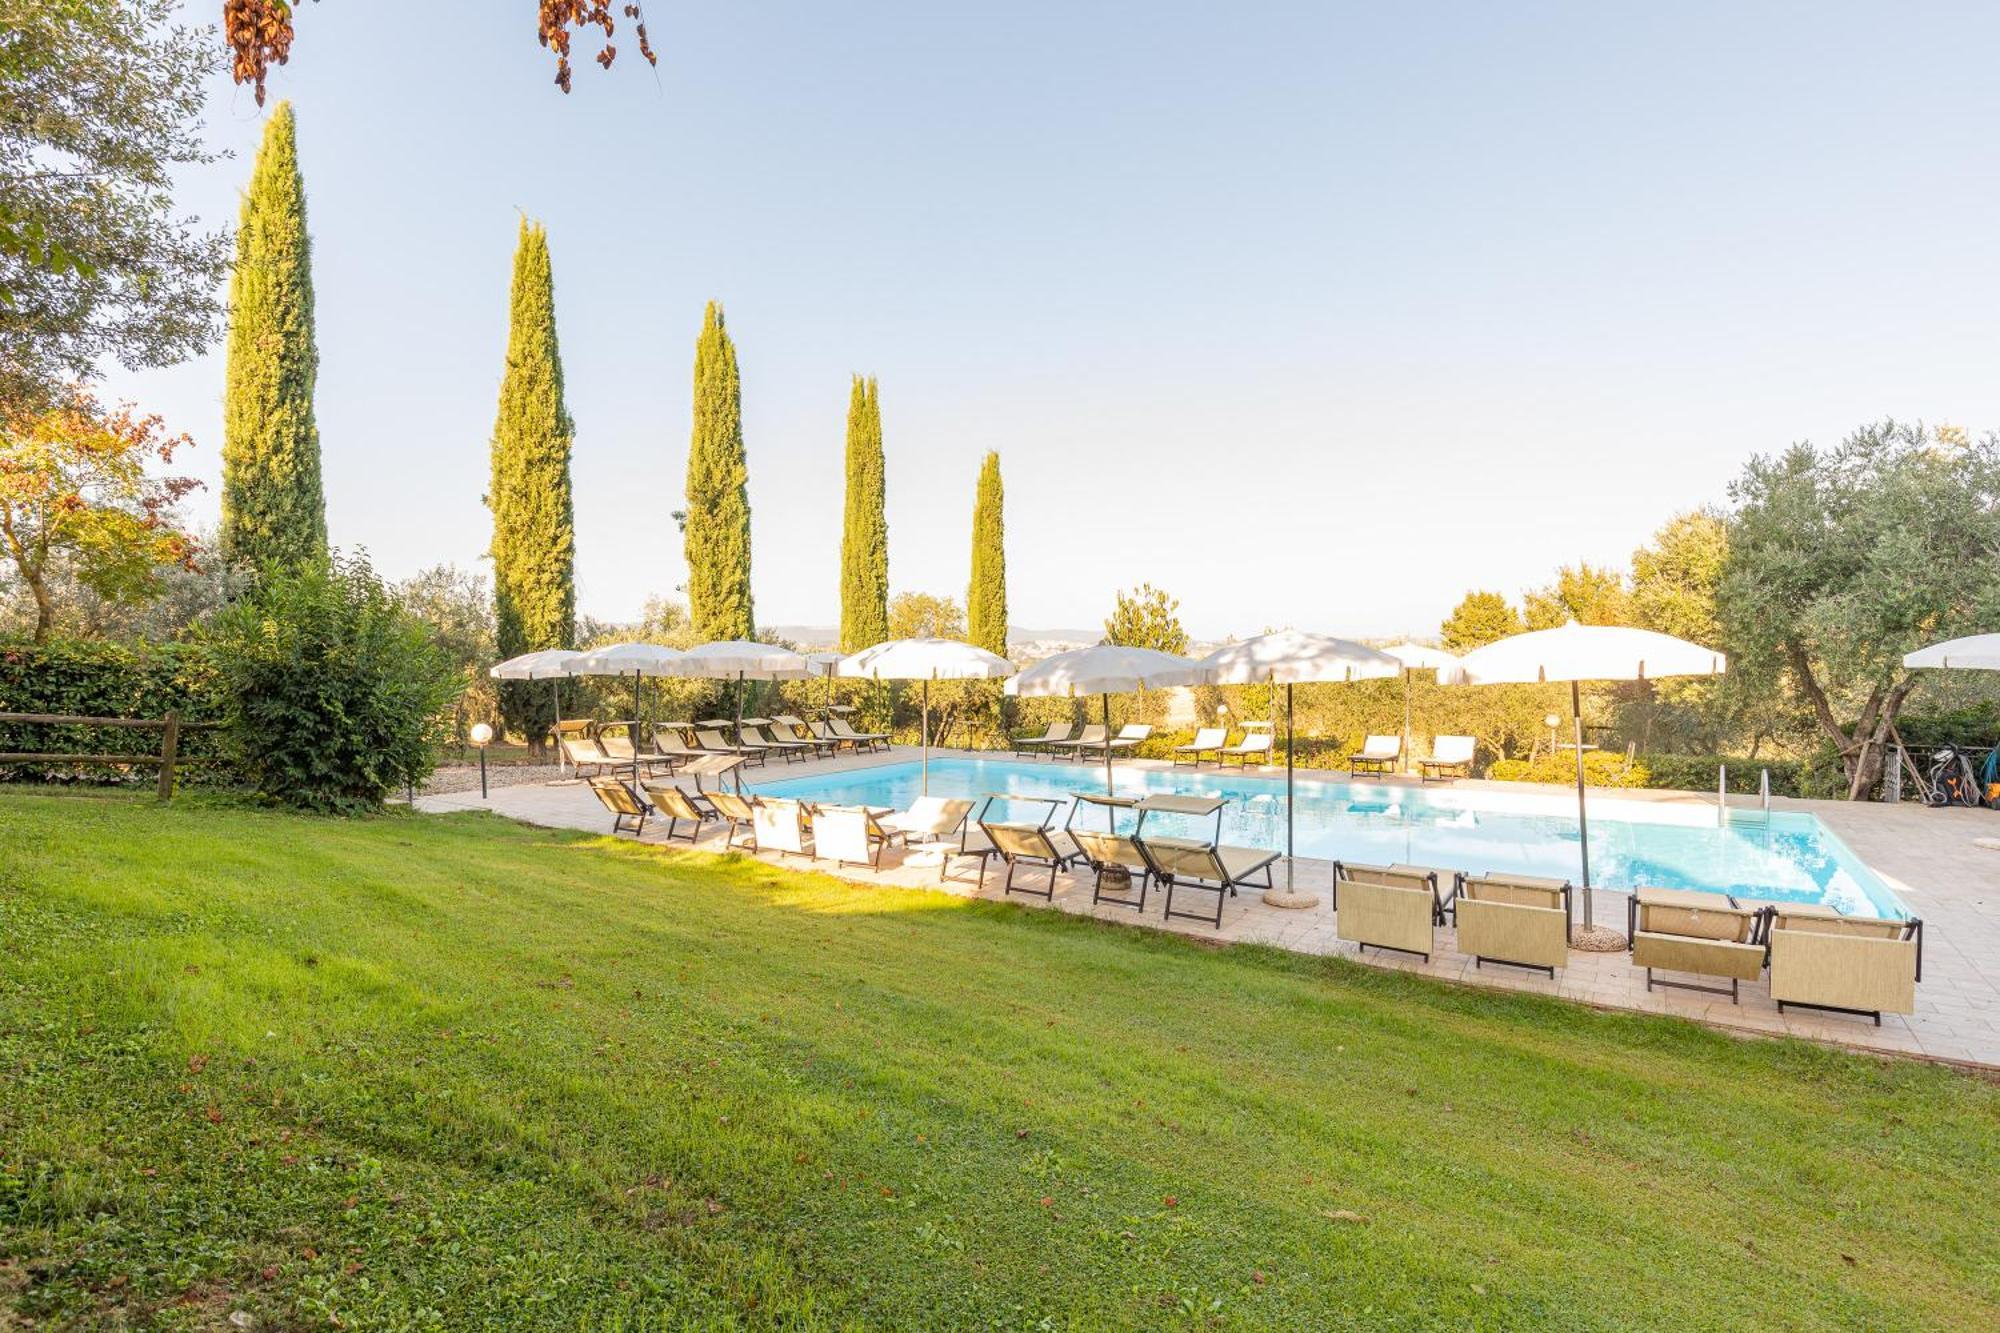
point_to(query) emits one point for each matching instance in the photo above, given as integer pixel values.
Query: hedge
(95, 678)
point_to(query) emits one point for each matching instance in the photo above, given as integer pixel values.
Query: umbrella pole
(1582, 820)
(1289, 896)
(926, 734)
(1107, 745)
(1406, 720)
(562, 769)
(638, 707)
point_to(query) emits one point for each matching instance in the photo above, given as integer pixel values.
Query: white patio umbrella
(740, 660)
(1417, 657)
(1577, 653)
(550, 664)
(1105, 670)
(1977, 652)
(635, 659)
(925, 660)
(1289, 657)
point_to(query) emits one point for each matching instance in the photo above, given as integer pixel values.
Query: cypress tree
(534, 535)
(718, 492)
(864, 544)
(273, 510)
(986, 598)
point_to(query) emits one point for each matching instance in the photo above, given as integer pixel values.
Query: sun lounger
(1205, 865)
(584, 755)
(711, 740)
(1035, 844)
(1255, 744)
(669, 741)
(1092, 737)
(931, 819)
(676, 805)
(874, 740)
(1057, 734)
(1705, 934)
(628, 808)
(781, 825)
(847, 834)
(1850, 964)
(738, 812)
(823, 733)
(1207, 740)
(1131, 735)
(1107, 849)
(1451, 756)
(1378, 755)
(1515, 919)
(791, 748)
(1387, 907)
(707, 765)
(796, 729)
(618, 749)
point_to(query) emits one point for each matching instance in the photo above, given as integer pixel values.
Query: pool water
(1794, 858)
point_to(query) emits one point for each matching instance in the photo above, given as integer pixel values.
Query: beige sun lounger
(1130, 736)
(1035, 844)
(1207, 740)
(1516, 919)
(668, 741)
(800, 731)
(1092, 737)
(618, 749)
(874, 740)
(1057, 734)
(1852, 964)
(1204, 865)
(676, 805)
(1450, 756)
(1107, 849)
(1703, 934)
(1255, 743)
(790, 747)
(584, 753)
(1387, 907)
(628, 809)
(1378, 755)
(711, 740)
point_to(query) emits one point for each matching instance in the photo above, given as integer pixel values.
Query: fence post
(169, 743)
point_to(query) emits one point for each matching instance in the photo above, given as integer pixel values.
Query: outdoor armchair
(1388, 907)
(1703, 934)
(1520, 920)
(1852, 964)
(1450, 756)
(1378, 754)
(1207, 740)
(1204, 865)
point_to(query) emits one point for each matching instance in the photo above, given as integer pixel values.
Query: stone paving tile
(1927, 857)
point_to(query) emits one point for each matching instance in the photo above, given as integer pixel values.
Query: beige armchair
(1390, 907)
(1706, 934)
(1521, 920)
(1852, 964)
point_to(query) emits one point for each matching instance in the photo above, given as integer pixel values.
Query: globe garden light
(482, 736)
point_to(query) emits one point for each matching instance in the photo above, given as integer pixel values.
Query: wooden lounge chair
(1036, 844)
(932, 819)
(873, 740)
(1057, 734)
(1192, 863)
(628, 808)
(797, 729)
(1387, 907)
(1092, 737)
(1705, 934)
(849, 833)
(1207, 740)
(781, 825)
(1108, 849)
(676, 806)
(1255, 744)
(792, 748)
(1377, 755)
(1450, 756)
(1849, 964)
(1520, 920)
(711, 740)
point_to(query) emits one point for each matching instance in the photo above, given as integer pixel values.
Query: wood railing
(168, 758)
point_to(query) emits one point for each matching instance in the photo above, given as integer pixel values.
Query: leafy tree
(1842, 560)
(986, 597)
(919, 615)
(534, 532)
(75, 499)
(99, 103)
(1479, 618)
(1674, 580)
(718, 492)
(332, 690)
(455, 607)
(273, 508)
(1587, 594)
(1146, 618)
(864, 544)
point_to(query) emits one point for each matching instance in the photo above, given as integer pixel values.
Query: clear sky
(1313, 314)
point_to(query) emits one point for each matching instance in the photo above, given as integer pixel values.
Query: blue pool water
(1632, 843)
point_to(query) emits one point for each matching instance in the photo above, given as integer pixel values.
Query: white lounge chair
(1057, 734)
(1377, 755)
(1130, 736)
(1206, 740)
(1255, 744)
(1092, 737)
(1451, 756)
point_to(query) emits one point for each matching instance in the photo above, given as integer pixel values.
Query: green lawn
(457, 1072)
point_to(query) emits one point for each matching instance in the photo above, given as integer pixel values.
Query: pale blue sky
(1313, 314)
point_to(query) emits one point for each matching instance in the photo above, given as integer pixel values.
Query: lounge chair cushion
(1703, 956)
(1689, 915)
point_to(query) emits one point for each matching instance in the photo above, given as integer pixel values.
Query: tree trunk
(45, 611)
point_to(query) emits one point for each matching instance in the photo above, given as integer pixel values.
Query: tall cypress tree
(986, 597)
(718, 492)
(534, 534)
(864, 543)
(273, 510)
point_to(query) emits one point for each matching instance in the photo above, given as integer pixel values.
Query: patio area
(1928, 857)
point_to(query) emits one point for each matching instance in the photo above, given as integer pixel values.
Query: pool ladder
(1760, 815)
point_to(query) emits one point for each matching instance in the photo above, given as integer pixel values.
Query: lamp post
(1552, 721)
(482, 736)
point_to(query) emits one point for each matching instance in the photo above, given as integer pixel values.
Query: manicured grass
(457, 1072)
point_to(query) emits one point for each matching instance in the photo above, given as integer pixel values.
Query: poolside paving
(1928, 857)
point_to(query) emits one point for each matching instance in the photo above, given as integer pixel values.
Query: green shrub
(1696, 772)
(1601, 768)
(94, 678)
(333, 689)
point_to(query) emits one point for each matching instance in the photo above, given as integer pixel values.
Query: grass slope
(457, 1072)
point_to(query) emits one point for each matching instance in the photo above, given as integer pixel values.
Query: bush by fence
(93, 678)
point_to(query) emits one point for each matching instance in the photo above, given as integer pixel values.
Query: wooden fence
(168, 758)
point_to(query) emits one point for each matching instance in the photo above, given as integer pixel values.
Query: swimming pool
(1678, 846)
